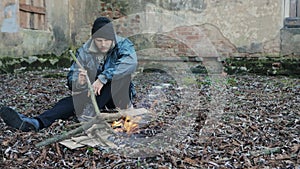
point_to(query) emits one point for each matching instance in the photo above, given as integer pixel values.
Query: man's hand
(82, 77)
(97, 87)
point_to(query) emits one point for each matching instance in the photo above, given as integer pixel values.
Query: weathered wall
(232, 27)
(193, 27)
(20, 42)
(82, 15)
(290, 40)
(66, 24)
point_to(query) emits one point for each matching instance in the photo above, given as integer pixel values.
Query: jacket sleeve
(73, 73)
(125, 64)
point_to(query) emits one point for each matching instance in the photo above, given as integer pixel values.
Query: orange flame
(126, 124)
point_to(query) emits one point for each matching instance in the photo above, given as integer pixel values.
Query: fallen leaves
(259, 125)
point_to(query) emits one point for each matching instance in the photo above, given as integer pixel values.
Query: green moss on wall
(38, 62)
(235, 65)
(263, 66)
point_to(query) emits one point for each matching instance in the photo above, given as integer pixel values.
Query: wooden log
(71, 133)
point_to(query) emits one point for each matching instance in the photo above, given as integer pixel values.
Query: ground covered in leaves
(242, 121)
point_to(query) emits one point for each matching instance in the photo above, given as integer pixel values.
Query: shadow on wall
(60, 41)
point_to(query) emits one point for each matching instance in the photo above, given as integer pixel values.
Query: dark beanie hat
(103, 28)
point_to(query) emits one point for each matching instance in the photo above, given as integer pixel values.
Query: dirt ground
(236, 121)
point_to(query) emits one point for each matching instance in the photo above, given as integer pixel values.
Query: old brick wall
(224, 28)
(193, 27)
(81, 16)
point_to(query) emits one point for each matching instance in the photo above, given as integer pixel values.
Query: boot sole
(12, 119)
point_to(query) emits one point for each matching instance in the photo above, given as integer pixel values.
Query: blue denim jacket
(120, 61)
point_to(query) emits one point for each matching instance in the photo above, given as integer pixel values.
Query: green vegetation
(243, 65)
(37, 62)
(231, 81)
(264, 66)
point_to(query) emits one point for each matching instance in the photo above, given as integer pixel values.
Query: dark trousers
(113, 94)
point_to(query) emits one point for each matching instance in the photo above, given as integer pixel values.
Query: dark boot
(18, 121)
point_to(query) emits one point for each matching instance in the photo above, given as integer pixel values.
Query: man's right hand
(82, 77)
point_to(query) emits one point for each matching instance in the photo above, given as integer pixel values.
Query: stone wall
(211, 27)
(290, 40)
(186, 27)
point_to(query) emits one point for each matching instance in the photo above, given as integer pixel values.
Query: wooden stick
(68, 134)
(266, 151)
(93, 97)
(100, 121)
(84, 126)
(109, 117)
(89, 84)
(95, 120)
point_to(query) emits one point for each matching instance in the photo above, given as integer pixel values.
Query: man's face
(103, 44)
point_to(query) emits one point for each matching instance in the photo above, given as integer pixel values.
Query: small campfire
(126, 124)
(123, 122)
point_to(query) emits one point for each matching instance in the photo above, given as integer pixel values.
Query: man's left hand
(97, 85)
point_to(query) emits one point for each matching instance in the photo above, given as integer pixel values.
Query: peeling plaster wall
(68, 23)
(290, 40)
(228, 28)
(16, 41)
(251, 27)
(9, 17)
